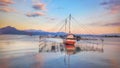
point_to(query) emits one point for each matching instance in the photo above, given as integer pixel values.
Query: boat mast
(70, 23)
(65, 24)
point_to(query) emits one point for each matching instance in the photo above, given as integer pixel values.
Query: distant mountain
(111, 35)
(13, 30)
(100, 35)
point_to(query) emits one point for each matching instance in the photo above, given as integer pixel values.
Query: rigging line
(69, 24)
(82, 24)
(56, 25)
(82, 28)
(64, 25)
(61, 27)
(69, 17)
(88, 30)
(79, 24)
(74, 26)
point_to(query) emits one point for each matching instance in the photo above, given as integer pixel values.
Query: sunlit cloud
(35, 14)
(39, 6)
(4, 6)
(7, 1)
(112, 5)
(7, 9)
(115, 9)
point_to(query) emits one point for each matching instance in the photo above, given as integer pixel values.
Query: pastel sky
(91, 16)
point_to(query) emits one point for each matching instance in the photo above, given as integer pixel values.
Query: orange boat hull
(69, 42)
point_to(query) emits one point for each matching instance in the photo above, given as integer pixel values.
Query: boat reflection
(70, 49)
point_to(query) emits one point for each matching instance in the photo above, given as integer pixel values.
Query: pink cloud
(115, 9)
(35, 14)
(5, 6)
(7, 9)
(113, 6)
(7, 1)
(39, 6)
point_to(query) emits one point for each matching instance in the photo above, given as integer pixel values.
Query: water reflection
(35, 53)
(68, 49)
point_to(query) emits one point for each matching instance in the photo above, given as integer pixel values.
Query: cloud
(106, 24)
(112, 5)
(6, 2)
(4, 6)
(104, 3)
(112, 24)
(115, 9)
(39, 6)
(7, 9)
(111, 2)
(35, 14)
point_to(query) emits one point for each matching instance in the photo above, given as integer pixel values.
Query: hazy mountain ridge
(13, 30)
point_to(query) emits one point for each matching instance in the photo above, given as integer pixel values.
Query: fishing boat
(70, 38)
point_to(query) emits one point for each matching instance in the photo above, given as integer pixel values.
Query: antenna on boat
(70, 23)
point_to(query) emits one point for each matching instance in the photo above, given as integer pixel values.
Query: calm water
(21, 51)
